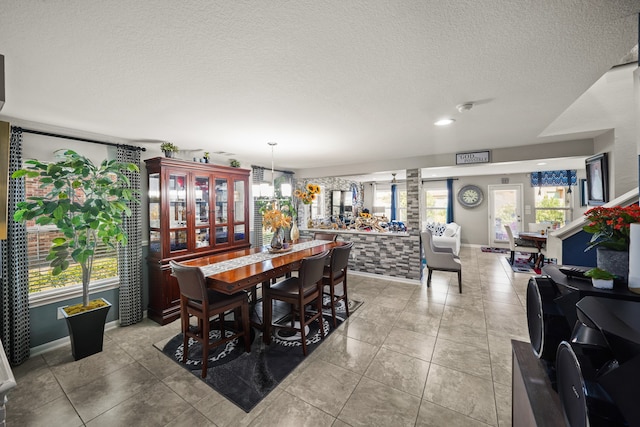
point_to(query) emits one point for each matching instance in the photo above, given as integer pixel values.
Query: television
(597, 180)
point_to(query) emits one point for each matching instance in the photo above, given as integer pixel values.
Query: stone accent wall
(413, 202)
(389, 254)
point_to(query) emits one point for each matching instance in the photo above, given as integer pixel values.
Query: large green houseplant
(86, 202)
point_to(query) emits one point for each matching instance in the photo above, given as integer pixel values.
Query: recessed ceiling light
(541, 163)
(444, 122)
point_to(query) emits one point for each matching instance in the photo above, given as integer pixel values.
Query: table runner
(230, 264)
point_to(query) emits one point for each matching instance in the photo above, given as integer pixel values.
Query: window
(436, 200)
(552, 205)
(39, 239)
(382, 202)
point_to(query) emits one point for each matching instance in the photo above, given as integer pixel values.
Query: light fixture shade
(285, 189)
(266, 190)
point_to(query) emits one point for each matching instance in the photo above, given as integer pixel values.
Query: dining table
(539, 240)
(243, 270)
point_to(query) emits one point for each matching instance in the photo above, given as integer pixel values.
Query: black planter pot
(86, 330)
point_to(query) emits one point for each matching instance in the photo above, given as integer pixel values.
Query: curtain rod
(275, 170)
(74, 138)
(439, 179)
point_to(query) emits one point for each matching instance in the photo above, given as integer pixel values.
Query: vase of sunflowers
(275, 220)
(307, 197)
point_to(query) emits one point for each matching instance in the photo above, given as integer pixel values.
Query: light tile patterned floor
(410, 356)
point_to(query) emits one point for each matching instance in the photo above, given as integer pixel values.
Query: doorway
(505, 208)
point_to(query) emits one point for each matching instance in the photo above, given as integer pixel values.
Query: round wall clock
(470, 196)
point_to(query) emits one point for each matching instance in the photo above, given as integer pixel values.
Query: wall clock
(470, 196)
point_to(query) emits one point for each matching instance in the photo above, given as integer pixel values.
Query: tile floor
(410, 356)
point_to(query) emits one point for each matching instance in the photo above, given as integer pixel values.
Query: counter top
(351, 231)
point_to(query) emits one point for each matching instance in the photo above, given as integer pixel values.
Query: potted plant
(168, 148)
(234, 163)
(610, 229)
(86, 203)
(206, 157)
(600, 278)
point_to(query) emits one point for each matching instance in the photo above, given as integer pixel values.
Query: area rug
(247, 378)
(523, 265)
(494, 250)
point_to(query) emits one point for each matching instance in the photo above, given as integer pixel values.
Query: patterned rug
(247, 378)
(494, 250)
(523, 265)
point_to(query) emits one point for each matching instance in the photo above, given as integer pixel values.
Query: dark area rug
(246, 378)
(494, 250)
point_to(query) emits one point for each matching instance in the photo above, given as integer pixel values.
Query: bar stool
(298, 291)
(196, 300)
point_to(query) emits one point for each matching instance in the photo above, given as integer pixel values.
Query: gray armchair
(441, 259)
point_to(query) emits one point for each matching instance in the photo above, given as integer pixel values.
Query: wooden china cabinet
(195, 209)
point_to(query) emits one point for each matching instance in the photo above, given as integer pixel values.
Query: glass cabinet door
(239, 228)
(202, 199)
(222, 211)
(177, 195)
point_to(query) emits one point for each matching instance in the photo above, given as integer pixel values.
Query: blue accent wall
(573, 250)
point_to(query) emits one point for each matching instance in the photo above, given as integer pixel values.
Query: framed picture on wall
(597, 180)
(584, 192)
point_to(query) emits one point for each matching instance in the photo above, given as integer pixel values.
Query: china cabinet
(195, 209)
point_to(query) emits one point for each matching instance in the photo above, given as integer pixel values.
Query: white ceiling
(333, 82)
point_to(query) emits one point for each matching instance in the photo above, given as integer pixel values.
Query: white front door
(505, 208)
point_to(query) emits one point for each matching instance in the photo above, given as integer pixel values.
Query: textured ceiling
(333, 82)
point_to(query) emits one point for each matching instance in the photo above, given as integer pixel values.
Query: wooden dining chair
(196, 300)
(335, 274)
(516, 245)
(298, 292)
(332, 237)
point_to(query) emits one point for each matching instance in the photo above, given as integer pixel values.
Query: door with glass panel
(240, 223)
(221, 213)
(177, 200)
(505, 208)
(202, 211)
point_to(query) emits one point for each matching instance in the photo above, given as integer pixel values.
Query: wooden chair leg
(266, 318)
(205, 347)
(332, 294)
(512, 258)
(429, 278)
(344, 293)
(185, 328)
(244, 312)
(303, 336)
(319, 308)
(460, 280)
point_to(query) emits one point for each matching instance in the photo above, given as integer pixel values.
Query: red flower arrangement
(611, 226)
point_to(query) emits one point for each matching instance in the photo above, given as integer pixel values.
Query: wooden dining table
(256, 270)
(539, 241)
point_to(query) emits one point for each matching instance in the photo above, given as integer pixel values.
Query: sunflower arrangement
(307, 197)
(365, 215)
(274, 219)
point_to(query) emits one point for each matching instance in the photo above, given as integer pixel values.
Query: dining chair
(515, 245)
(441, 259)
(298, 292)
(335, 274)
(332, 237)
(196, 300)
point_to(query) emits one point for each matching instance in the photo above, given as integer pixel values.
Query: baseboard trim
(52, 345)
